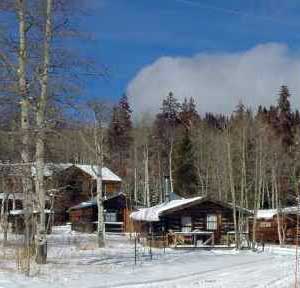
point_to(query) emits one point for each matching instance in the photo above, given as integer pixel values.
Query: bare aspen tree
(277, 203)
(170, 158)
(146, 176)
(135, 192)
(232, 189)
(243, 178)
(41, 249)
(258, 183)
(4, 211)
(99, 159)
(161, 192)
(101, 113)
(25, 128)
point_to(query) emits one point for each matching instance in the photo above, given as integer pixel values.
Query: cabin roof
(16, 212)
(91, 170)
(266, 213)
(270, 213)
(18, 169)
(93, 202)
(153, 214)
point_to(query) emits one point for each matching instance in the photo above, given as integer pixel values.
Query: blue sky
(128, 35)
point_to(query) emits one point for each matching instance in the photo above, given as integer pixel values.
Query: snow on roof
(107, 175)
(21, 211)
(93, 201)
(266, 213)
(152, 214)
(84, 204)
(11, 196)
(51, 168)
(291, 210)
(270, 213)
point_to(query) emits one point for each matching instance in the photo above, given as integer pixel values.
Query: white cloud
(218, 82)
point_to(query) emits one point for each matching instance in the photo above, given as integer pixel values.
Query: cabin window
(265, 225)
(186, 224)
(211, 222)
(110, 217)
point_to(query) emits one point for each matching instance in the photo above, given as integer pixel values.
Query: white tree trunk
(101, 225)
(25, 125)
(146, 183)
(170, 168)
(232, 189)
(98, 136)
(4, 212)
(41, 240)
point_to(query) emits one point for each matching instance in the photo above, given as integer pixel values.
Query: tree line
(249, 158)
(249, 155)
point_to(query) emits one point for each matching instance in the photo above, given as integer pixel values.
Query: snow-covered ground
(74, 261)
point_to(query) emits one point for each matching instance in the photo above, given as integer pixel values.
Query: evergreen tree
(188, 115)
(296, 118)
(185, 173)
(165, 130)
(285, 117)
(120, 135)
(167, 121)
(170, 109)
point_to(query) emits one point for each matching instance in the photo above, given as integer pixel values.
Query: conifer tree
(285, 117)
(120, 135)
(188, 114)
(165, 127)
(185, 173)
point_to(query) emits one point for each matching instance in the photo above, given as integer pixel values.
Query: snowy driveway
(114, 267)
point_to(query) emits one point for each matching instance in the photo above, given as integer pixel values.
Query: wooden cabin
(77, 184)
(198, 221)
(66, 185)
(84, 216)
(267, 225)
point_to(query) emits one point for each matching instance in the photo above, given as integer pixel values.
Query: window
(186, 224)
(211, 222)
(110, 217)
(265, 225)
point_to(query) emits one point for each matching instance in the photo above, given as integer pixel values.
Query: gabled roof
(266, 213)
(91, 170)
(93, 202)
(270, 213)
(154, 213)
(22, 212)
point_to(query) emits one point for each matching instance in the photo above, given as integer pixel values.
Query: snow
(75, 261)
(152, 214)
(266, 213)
(17, 196)
(85, 204)
(270, 213)
(21, 211)
(291, 210)
(107, 175)
(50, 168)
(93, 202)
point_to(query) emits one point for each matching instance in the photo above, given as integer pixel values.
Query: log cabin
(267, 225)
(66, 185)
(77, 184)
(197, 221)
(84, 216)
